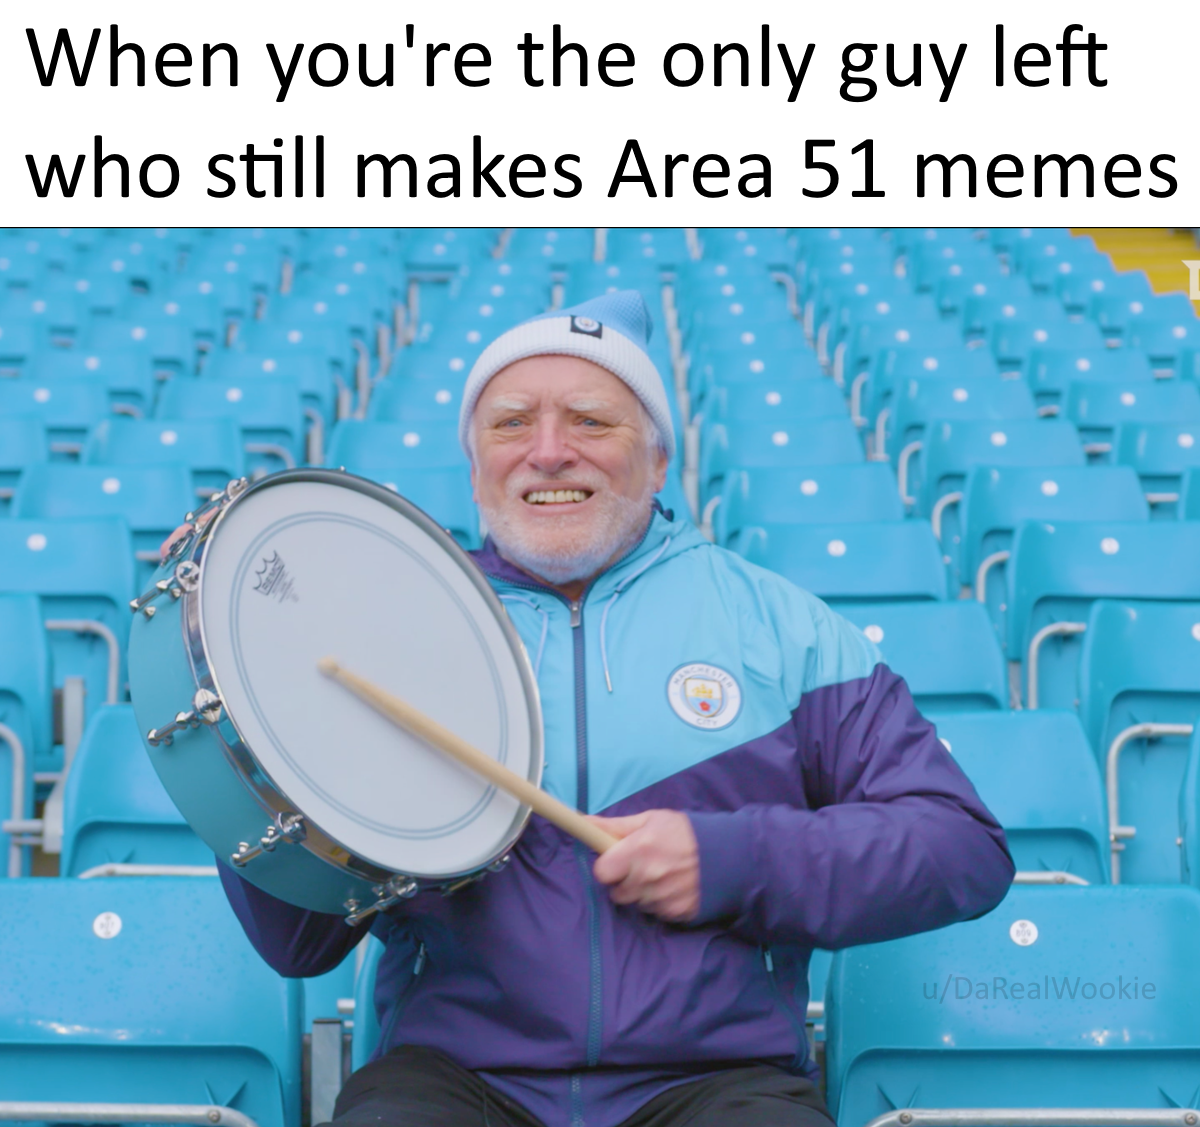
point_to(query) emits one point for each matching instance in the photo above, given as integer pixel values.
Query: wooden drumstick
(425, 728)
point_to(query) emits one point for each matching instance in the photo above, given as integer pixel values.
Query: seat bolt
(214, 1116)
(1190, 1118)
(906, 1117)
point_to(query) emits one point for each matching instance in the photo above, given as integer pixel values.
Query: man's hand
(655, 865)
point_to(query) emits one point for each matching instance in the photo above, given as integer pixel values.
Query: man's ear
(660, 469)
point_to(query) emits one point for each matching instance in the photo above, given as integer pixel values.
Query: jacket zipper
(404, 999)
(798, 1026)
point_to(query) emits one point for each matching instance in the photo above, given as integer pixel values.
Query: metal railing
(906, 454)
(92, 626)
(1038, 1117)
(57, 1111)
(128, 869)
(1117, 833)
(939, 507)
(981, 573)
(17, 825)
(1055, 629)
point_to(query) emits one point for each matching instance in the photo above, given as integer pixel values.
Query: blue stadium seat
(919, 399)
(416, 400)
(322, 383)
(268, 409)
(1141, 666)
(1051, 370)
(80, 570)
(25, 711)
(713, 370)
(210, 448)
(1016, 302)
(145, 990)
(169, 346)
(69, 408)
(421, 461)
(1160, 453)
(812, 442)
(23, 442)
(1098, 408)
(1036, 772)
(781, 401)
(1058, 569)
(115, 811)
(1032, 1005)
(963, 670)
(1014, 341)
(872, 391)
(127, 375)
(844, 563)
(1189, 495)
(152, 499)
(553, 245)
(803, 495)
(1189, 815)
(996, 499)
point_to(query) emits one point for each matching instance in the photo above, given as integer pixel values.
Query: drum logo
(274, 580)
(705, 696)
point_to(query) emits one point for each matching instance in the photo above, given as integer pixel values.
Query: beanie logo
(587, 326)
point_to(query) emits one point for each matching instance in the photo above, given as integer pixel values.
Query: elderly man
(772, 784)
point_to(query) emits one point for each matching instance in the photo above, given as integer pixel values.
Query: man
(772, 784)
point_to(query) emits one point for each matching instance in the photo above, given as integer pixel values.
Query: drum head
(326, 564)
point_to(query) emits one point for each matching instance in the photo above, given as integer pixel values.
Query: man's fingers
(613, 865)
(620, 827)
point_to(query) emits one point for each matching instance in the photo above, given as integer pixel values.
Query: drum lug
(389, 894)
(500, 863)
(286, 827)
(206, 709)
(184, 580)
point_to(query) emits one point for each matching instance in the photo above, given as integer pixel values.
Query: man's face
(563, 471)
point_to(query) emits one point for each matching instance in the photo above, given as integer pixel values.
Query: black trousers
(416, 1087)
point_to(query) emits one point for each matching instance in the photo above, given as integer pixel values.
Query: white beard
(615, 528)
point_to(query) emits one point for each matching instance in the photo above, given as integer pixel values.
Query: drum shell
(202, 782)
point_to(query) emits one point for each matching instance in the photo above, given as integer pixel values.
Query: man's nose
(551, 451)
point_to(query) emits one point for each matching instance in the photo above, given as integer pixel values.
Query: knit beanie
(611, 331)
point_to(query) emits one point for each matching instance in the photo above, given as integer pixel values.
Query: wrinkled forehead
(564, 383)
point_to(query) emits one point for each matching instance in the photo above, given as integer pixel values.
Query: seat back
(1059, 569)
(1141, 665)
(846, 563)
(1097, 408)
(145, 990)
(920, 399)
(964, 669)
(1036, 772)
(68, 407)
(114, 807)
(807, 495)
(998, 498)
(210, 448)
(1060, 997)
(23, 441)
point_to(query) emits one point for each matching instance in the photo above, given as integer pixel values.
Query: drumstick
(425, 728)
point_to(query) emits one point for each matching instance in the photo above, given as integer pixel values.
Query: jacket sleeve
(294, 942)
(895, 841)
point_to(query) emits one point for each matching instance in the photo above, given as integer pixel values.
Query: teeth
(556, 496)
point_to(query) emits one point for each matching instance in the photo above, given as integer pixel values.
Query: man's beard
(617, 525)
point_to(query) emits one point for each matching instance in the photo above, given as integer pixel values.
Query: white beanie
(611, 331)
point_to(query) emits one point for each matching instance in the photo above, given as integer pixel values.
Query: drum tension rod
(206, 709)
(389, 894)
(286, 827)
(185, 579)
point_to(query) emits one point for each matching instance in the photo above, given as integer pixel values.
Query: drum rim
(241, 756)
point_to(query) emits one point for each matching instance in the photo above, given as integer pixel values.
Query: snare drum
(312, 795)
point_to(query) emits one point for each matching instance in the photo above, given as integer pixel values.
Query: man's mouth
(556, 496)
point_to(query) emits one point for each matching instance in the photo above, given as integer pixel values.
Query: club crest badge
(588, 326)
(704, 696)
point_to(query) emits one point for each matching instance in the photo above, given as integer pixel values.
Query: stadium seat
(421, 461)
(82, 572)
(1160, 453)
(416, 400)
(781, 401)
(68, 408)
(269, 410)
(963, 670)
(747, 446)
(844, 563)
(1036, 772)
(1139, 677)
(26, 735)
(872, 392)
(152, 500)
(115, 811)
(1051, 370)
(1014, 341)
(920, 399)
(1098, 408)
(322, 384)
(144, 990)
(803, 495)
(998, 498)
(1058, 569)
(1189, 495)
(211, 449)
(1060, 998)
(22, 442)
